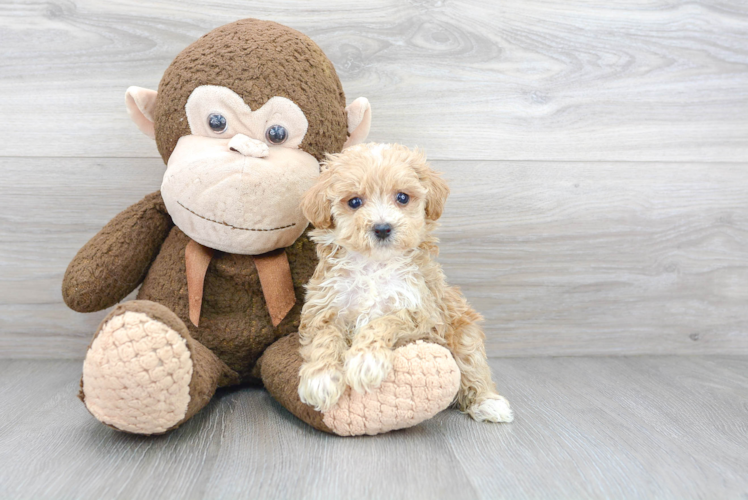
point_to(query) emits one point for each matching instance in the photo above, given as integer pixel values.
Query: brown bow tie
(272, 267)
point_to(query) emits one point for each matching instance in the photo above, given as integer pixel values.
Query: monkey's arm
(115, 261)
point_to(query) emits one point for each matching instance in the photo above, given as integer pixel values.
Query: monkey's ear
(359, 121)
(316, 206)
(141, 104)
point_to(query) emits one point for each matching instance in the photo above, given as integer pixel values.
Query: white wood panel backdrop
(597, 153)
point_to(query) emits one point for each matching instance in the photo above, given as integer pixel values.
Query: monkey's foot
(423, 381)
(143, 373)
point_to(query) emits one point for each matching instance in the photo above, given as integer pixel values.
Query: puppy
(377, 285)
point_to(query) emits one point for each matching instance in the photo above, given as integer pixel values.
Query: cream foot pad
(424, 381)
(137, 373)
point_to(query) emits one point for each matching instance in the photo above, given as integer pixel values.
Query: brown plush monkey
(242, 118)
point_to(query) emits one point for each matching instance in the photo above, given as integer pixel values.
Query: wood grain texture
(654, 80)
(593, 257)
(561, 258)
(638, 427)
(596, 258)
(49, 208)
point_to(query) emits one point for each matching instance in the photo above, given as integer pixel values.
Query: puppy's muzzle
(382, 231)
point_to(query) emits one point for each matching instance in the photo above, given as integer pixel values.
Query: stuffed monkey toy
(242, 119)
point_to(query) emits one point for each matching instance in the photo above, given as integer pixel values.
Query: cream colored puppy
(377, 285)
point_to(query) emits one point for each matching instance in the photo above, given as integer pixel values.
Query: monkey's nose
(248, 146)
(382, 231)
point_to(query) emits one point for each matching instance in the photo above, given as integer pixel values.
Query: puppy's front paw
(365, 370)
(496, 409)
(321, 388)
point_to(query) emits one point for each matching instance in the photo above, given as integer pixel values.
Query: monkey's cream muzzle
(234, 195)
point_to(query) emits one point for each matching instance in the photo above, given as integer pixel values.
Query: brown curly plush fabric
(258, 60)
(234, 322)
(114, 262)
(279, 369)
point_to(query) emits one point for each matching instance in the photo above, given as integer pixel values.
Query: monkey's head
(242, 118)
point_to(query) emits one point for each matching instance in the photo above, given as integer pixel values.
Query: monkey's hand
(115, 261)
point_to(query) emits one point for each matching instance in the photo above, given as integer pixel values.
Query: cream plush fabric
(137, 374)
(423, 381)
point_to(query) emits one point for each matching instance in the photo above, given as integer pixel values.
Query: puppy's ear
(316, 204)
(436, 197)
(437, 189)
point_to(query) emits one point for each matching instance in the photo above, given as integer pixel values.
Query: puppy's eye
(276, 134)
(217, 123)
(402, 198)
(355, 203)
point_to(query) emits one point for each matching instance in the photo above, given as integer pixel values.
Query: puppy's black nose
(382, 231)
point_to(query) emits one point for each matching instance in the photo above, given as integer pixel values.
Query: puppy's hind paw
(365, 370)
(496, 409)
(322, 389)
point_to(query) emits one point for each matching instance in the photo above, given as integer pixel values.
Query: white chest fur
(364, 290)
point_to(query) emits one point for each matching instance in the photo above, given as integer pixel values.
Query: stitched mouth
(235, 227)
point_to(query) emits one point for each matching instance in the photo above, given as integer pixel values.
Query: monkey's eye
(355, 203)
(277, 134)
(217, 123)
(402, 198)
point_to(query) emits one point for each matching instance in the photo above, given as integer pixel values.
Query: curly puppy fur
(371, 294)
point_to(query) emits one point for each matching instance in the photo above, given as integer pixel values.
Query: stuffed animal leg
(145, 374)
(423, 382)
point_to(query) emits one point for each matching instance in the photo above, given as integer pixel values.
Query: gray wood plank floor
(622, 427)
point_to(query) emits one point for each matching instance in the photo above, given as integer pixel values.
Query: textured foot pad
(136, 375)
(424, 381)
